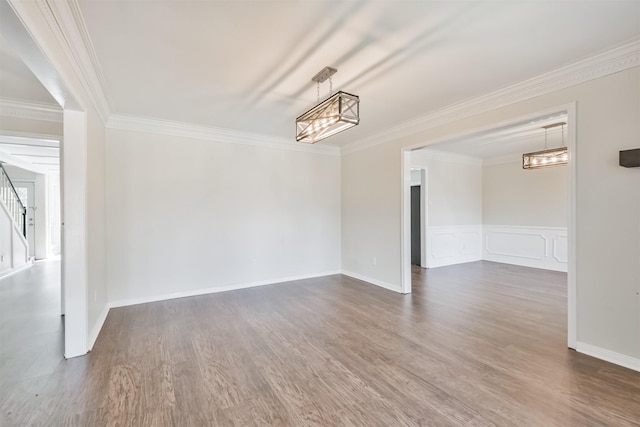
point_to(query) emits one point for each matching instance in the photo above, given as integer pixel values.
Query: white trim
(30, 110)
(66, 22)
(209, 133)
(608, 356)
(369, 280)
(405, 215)
(424, 216)
(615, 60)
(572, 221)
(95, 331)
(197, 292)
(526, 227)
(74, 233)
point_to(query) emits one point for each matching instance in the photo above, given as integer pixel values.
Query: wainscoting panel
(453, 245)
(527, 246)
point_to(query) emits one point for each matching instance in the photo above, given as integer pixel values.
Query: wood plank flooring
(475, 344)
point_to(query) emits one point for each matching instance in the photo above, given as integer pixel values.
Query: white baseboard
(12, 271)
(93, 336)
(609, 356)
(196, 292)
(389, 286)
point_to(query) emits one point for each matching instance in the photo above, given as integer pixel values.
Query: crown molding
(30, 110)
(65, 20)
(30, 138)
(208, 133)
(613, 61)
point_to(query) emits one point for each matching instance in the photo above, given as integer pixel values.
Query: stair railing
(9, 196)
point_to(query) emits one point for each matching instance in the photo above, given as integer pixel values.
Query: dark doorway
(416, 254)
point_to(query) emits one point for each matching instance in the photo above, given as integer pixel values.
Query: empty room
(319, 213)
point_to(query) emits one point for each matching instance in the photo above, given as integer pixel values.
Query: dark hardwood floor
(475, 344)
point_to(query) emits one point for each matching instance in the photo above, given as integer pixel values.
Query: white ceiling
(507, 143)
(17, 81)
(247, 65)
(37, 153)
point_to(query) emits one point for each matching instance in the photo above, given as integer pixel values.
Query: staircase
(12, 203)
(14, 248)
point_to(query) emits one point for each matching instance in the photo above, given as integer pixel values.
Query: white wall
(6, 245)
(19, 248)
(519, 197)
(187, 216)
(53, 220)
(97, 296)
(13, 245)
(525, 215)
(454, 208)
(31, 126)
(608, 205)
(455, 188)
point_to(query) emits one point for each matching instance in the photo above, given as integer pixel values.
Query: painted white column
(74, 232)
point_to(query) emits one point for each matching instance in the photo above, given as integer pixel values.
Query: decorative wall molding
(453, 245)
(65, 20)
(609, 356)
(537, 247)
(30, 110)
(615, 60)
(205, 291)
(372, 281)
(207, 133)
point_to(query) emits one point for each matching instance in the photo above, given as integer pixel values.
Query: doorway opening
(69, 126)
(419, 216)
(468, 243)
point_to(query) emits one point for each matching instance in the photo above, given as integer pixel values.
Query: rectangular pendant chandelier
(545, 158)
(339, 112)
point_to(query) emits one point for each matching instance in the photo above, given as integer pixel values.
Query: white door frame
(424, 216)
(15, 17)
(405, 208)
